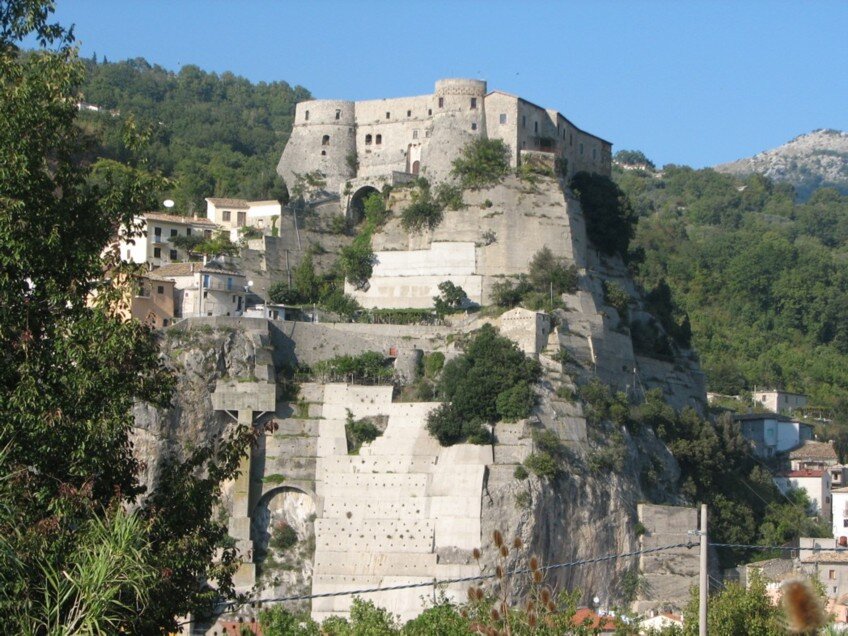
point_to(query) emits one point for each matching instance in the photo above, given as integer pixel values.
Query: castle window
(441, 102)
(524, 121)
(415, 134)
(474, 126)
(409, 113)
(388, 115)
(306, 116)
(594, 153)
(242, 219)
(473, 103)
(323, 153)
(570, 140)
(157, 252)
(338, 114)
(225, 215)
(160, 289)
(325, 140)
(581, 149)
(429, 111)
(379, 139)
(188, 231)
(172, 254)
(427, 133)
(502, 118)
(535, 126)
(173, 232)
(367, 140)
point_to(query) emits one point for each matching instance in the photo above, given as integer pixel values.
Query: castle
(355, 144)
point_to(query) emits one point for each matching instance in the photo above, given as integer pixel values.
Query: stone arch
(284, 505)
(356, 207)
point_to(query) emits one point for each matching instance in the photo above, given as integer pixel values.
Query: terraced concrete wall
(412, 278)
(387, 513)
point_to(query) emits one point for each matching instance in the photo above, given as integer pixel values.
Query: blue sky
(686, 82)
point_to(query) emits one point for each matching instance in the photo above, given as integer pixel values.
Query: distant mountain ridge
(814, 160)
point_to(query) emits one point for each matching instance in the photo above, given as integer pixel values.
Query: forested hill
(763, 278)
(215, 135)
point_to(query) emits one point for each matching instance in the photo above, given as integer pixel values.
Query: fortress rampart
(347, 140)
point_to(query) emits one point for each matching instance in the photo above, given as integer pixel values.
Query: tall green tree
(71, 370)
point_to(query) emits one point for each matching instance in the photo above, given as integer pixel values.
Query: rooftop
(230, 203)
(174, 218)
(586, 616)
(814, 450)
(802, 473)
(748, 417)
(175, 269)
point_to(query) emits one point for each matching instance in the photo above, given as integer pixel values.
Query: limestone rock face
(319, 518)
(819, 158)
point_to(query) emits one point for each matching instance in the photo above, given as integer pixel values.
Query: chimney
(843, 542)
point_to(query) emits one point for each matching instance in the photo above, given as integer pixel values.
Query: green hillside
(763, 279)
(214, 135)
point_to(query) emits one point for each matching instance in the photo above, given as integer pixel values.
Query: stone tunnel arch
(356, 207)
(281, 507)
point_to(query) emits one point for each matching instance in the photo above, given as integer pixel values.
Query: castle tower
(323, 138)
(458, 117)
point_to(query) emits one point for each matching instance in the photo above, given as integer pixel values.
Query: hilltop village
(351, 484)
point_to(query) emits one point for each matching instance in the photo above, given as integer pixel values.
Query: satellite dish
(596, 601)
(250, 283)
(168, 203)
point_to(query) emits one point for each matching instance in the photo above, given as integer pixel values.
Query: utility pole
(703, 579)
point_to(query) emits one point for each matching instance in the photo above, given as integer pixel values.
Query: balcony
(217, 285)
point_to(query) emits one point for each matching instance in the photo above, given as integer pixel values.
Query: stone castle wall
(424, 134)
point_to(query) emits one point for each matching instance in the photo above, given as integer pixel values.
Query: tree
(451, 297)
(482, 162)
(71, 370)
(610, 220)
(548, 274)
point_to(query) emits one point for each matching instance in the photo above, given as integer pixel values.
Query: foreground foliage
(70, 372)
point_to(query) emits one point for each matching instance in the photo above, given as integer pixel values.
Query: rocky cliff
(817, 159)
(297, 529)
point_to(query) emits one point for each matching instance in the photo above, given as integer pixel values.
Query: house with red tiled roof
(586, 617)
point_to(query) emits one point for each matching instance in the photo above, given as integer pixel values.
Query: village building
(780, 401)
(233, 215)
(770, 433)
(812, 455)
(155, 245)
(215, 288)
(153, 300)
(816, 485)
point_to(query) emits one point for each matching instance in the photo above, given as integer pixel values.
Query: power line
(232, 606)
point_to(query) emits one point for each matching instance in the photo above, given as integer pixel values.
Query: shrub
(507, 293)
(481, 163)
(449, 196)
(420, 214)
(542, 465)
(610, 220)
(283, 537)
(374, 206)
(451, 297)
(339, 225)
(281, 293)
(447, 426)
(523, 499)
(520, 472)
(547, 273)
(433, 364)
(357, 432)
(516, 402)
(615, 296)
(369, 366)
(340, 303)
(357, 261)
